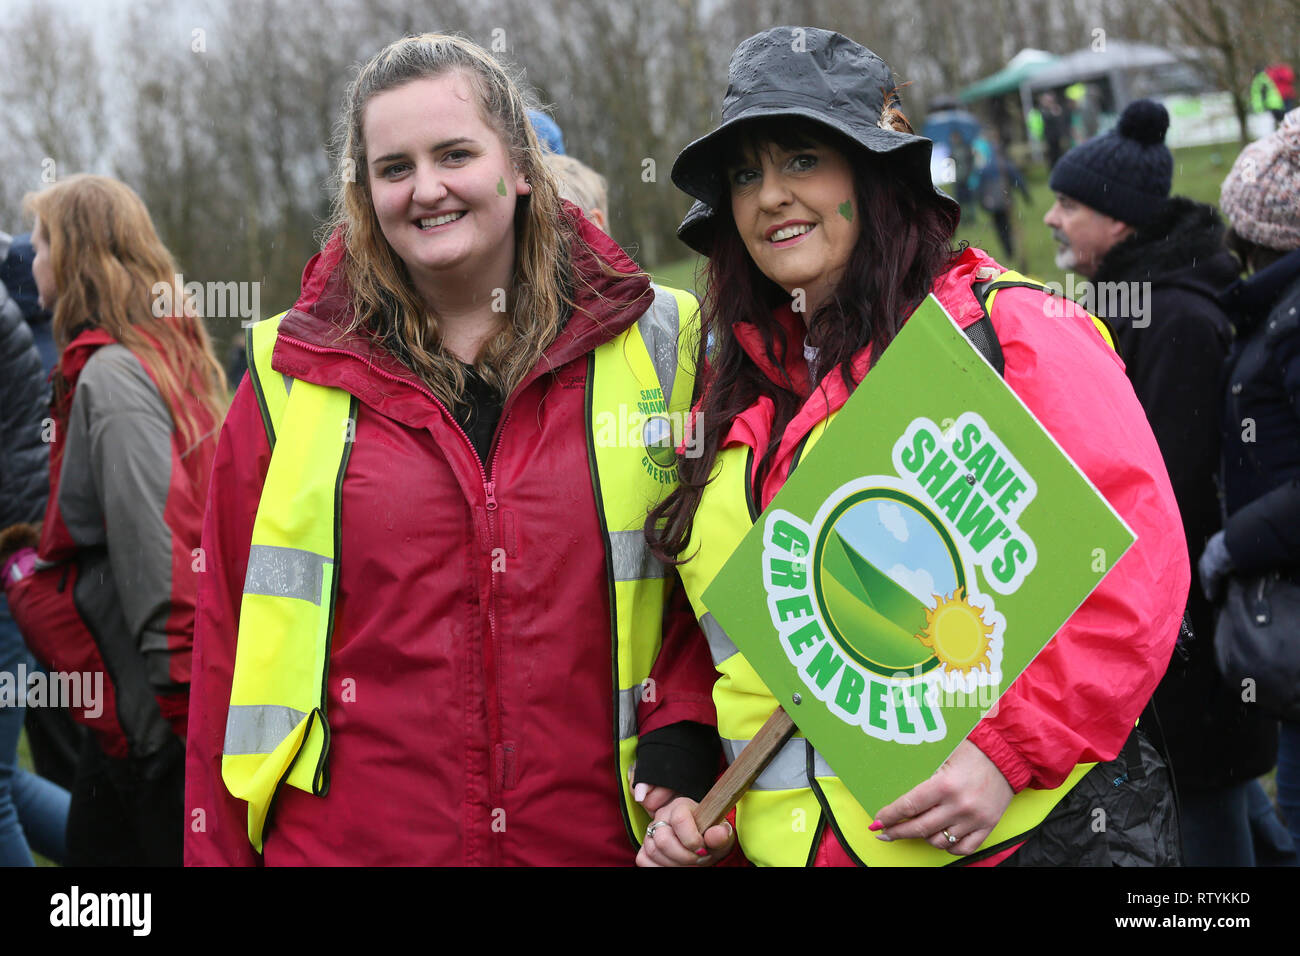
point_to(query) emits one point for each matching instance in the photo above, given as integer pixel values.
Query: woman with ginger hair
(431, 633)
(107, 589)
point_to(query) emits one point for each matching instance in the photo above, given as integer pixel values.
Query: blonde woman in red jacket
(468, 691)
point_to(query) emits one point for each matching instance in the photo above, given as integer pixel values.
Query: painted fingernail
(639, 791)
(876, 825)
(701, 852)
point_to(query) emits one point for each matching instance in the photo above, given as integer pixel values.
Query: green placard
(930, 544)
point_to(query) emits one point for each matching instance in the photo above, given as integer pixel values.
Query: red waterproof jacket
(1079, 698)
(470, 711)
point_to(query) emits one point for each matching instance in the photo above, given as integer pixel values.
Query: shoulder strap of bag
(985, 292)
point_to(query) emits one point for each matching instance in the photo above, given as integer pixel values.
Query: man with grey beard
(1157, 264)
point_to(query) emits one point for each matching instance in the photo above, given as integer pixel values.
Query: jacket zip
(489, 494)
(494, 715)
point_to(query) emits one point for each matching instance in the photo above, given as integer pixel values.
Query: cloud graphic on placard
(917, 582)
(891, 516)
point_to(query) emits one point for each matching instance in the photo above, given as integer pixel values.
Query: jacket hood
(1182, 246)
(609, 291)
(83, 345)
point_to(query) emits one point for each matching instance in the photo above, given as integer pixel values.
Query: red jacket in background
(1283, 78)
(470, 709)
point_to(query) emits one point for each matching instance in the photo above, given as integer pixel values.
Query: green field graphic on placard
(875, 616)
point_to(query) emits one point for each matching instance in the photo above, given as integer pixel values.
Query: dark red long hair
(905, 243)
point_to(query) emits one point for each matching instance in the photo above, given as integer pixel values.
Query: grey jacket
(113, 487)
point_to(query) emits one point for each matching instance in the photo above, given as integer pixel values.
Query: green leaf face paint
(846, 210)
(501, 187)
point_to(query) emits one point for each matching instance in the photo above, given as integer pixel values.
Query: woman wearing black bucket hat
(823, 232)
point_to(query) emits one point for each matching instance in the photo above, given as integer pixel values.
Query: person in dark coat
(24, 397)
(1158, 264)
(1261, 414)
(33, 811)
(52, 735)
(963, 160)
(1056, 127)
(16, 275)
(995, 180)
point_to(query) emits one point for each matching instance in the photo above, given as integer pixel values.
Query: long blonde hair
(384, 300)
(107, 261)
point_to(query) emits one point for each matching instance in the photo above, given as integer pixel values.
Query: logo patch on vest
(657, 436)
(649, 426)
(877, 601)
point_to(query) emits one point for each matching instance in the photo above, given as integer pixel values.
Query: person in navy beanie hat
(1125, 173)
(1157, 264)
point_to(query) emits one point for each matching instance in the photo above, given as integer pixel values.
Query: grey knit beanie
(1261, 196)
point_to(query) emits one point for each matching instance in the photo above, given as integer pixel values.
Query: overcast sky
(111, 14)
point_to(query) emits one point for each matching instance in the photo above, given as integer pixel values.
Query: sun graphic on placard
(956, 632)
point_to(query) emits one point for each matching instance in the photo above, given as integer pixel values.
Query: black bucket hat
(808, 73)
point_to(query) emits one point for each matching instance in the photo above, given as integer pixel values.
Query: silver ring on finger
(951, 839)
(650, 830)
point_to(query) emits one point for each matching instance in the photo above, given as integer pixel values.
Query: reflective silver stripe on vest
(720, 646)
(628, 698)
(285, 572)
(632, 558)
(788, 769)
(258, 728)
(288, 383)
(659, 326)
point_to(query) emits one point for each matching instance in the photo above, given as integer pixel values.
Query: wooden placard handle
(740, 776)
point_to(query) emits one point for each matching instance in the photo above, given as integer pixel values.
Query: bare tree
(227, 122)
(53, 123)
(1237, 35)
(220, 114)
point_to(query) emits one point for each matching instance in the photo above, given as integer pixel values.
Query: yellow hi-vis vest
(781, 818)
(639, 388)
